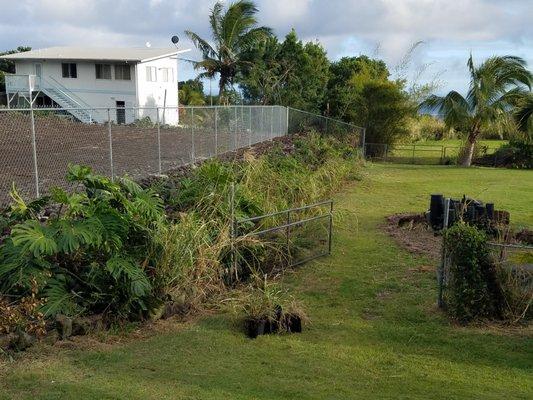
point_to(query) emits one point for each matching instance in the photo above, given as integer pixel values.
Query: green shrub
(472, 291)
(90, 255)
(516, 154)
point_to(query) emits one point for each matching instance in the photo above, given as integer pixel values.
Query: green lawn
(433, 151)
(490, 143)
(375, 333)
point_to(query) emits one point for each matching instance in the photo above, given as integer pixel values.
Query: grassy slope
(375, 331)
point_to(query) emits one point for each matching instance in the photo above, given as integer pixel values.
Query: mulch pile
(412, 232)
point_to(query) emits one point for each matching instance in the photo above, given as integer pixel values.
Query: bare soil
(129, 149)
(412, 232)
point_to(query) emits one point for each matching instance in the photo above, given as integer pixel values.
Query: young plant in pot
(262, 308)
(293, 317)
(268, 309)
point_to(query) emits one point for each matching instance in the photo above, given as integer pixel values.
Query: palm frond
(453, 108)
(201, 44)
(524, 114)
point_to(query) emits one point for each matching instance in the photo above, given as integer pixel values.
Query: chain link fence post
(193, 155)
(158, 141)
(216, 130)
(271, 122)
(363, 143)
(110, 139)
(34, 143)
(249, 126)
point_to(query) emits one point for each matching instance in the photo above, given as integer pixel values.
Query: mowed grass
(375, 332)
(434, 151)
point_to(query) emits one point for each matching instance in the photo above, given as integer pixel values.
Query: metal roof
(130, 54)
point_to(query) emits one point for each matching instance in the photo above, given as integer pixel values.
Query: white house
(85, 78)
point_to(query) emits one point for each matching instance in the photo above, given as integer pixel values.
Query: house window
(69, 70)
(151, 74)
(122, 72)
(103, 71)
(168, 74)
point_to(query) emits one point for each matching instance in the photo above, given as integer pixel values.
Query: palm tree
(524, 116)
(233, 32)
(494, 88)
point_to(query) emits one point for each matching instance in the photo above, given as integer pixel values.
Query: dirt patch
(130, 149)
(412, 232)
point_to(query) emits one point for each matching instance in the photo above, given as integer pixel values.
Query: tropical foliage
(191, 93)
(117, 249)
(288, 73)
(89, 255)
(495, 86)
(234, 31)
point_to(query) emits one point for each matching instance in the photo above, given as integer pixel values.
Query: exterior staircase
(67, 100)
(60, 94)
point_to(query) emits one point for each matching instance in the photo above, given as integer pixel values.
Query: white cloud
(450, 29)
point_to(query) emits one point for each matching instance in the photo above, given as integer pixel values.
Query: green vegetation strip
(375, 331)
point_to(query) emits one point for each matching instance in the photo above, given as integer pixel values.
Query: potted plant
(268, 309)
(293, 317)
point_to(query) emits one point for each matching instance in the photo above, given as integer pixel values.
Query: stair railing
(83, 106)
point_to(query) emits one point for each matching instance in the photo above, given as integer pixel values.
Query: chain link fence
(304, 121)
(423, 154)
(38, 144)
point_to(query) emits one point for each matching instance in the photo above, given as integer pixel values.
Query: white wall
(106, 92)
(152, 94)
(94, 92)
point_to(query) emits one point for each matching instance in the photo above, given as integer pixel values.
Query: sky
(449, 30)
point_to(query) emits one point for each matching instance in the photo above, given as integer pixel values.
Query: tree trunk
(222, 92)
(469, 149)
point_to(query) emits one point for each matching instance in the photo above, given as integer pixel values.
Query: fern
(35, 238)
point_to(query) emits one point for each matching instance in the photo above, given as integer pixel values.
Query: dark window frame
(120, 76)
(69, 70)
(102, 68)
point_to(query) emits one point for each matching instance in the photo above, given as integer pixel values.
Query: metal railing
(287, 225)
(37, 144)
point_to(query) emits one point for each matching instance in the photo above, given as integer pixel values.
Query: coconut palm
(494, 88)
(233, 31)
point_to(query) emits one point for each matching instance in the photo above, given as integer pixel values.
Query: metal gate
(290, 224)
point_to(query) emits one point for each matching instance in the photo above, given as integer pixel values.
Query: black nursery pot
(293, 323)
(255, 327)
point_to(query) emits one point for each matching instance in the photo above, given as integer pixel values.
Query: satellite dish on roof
(175, 39)
(148, 44)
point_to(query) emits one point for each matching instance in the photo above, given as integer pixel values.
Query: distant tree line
(292, 73)
(358, 89)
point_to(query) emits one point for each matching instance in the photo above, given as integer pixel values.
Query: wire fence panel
(16, 155)
(38, 144)
(425, 154)
(135, 146)
(514, 260)
(294, 235)
(62, 140)
(298, 121)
